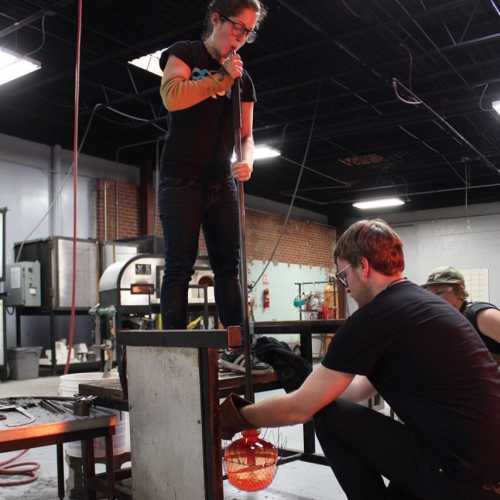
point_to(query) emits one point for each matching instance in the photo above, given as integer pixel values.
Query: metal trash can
(24, 362)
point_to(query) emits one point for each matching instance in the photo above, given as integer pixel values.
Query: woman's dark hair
(230, 8)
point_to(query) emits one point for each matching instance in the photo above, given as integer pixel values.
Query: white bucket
(68, 386)
(316, 343)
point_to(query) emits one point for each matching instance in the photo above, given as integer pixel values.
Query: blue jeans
(185, 205)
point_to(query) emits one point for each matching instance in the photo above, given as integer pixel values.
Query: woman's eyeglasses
(341, 276)
(240, 29)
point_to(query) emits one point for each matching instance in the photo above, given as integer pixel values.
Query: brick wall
(306, 243)
(122, 199)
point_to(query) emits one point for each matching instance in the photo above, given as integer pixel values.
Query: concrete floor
(293, 481)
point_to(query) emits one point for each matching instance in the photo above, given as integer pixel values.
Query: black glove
(230, 419)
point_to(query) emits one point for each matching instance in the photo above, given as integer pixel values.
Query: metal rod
(433, 43)
(105, 210)
(157, 191)
(450, 127)
(24, 22)
(413, 193)
(236, 102)
(471, 17)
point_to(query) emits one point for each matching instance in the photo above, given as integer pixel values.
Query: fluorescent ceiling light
(149, 62)
(262, 153)
(14, 65)
(496, 106)
(380, 203)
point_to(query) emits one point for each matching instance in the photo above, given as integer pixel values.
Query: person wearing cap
(423, 357)
(449, 283)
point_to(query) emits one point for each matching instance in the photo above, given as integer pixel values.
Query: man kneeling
(425, 360)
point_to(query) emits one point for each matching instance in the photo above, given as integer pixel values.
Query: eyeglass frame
(440, 289)
(240, 29)
(341, 277)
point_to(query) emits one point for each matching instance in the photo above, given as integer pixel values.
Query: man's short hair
(375, 240)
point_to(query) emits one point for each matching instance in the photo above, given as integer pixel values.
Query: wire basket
(250, 462)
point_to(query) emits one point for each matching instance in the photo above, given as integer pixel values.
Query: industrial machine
(113, 251)
(3, 212)
(130, 294)
(3, 341)
(3, 334)
(133, 286)
(55, 257)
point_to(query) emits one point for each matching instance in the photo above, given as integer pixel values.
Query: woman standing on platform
(197, 187)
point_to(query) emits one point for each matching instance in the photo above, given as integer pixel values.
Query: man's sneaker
(235, 361)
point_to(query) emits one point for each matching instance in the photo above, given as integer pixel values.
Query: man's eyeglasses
(341, 276)
(440, 291)
(241, 30)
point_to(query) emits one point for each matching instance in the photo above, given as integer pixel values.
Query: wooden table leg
(88, 469)
(60, 471)
(110, 469)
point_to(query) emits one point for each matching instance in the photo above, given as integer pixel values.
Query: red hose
(72, 321)
(8, 468)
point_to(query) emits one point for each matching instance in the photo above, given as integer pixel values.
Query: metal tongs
(22, 411)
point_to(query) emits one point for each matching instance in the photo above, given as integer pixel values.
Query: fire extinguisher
(266, 298)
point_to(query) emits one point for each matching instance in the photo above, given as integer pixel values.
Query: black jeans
(362, 445)
(185, 205)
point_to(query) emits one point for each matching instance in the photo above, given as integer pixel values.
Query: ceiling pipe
(415, 193)
(433, 43)
(16, 26)
(448, 125)
(432, 11)
(372, 71)
(335, 42)
(120, 54)
(317, 172)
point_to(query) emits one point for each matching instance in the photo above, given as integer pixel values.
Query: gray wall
(31, 175)
(452, 236)
(449, 238)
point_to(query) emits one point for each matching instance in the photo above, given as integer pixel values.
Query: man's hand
(241, 170)
(230, 419)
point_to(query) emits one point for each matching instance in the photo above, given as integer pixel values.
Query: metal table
(49, 429)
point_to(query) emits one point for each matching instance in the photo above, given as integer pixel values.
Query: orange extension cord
(10, 468)
(72, 321)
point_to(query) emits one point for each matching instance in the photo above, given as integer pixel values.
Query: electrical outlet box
(23, 284)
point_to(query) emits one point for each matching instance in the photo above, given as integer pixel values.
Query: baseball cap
(445, 275)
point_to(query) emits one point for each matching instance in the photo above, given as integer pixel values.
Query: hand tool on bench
(22, 411)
